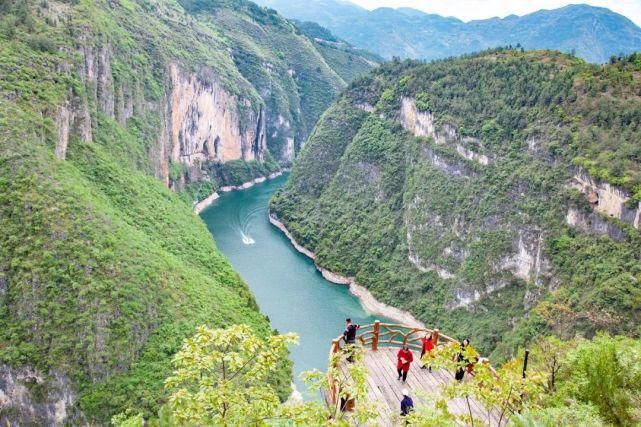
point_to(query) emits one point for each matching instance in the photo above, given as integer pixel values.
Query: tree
(503, 393)
(220, 377)
(606, 373)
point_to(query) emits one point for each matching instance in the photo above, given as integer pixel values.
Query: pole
(525, 359)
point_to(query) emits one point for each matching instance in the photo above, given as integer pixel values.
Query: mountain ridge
(592, 33)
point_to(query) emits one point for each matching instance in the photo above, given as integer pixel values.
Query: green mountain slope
(495, 195)
(348, 61)
(103, 106)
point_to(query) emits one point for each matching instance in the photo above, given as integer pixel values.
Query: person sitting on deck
(428, 346)
(407, 404)
(405, 357)
(349, 336)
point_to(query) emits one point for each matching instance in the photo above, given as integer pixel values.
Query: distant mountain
(593, 33)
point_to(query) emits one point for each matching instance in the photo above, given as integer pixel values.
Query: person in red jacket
(428, 346)
(404, 357)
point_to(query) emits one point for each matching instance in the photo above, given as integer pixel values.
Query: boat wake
(247, 240)
(244, 224)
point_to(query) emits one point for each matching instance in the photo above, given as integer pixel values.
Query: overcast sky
(480, 9)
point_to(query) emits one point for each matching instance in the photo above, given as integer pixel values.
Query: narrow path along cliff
(287, 285)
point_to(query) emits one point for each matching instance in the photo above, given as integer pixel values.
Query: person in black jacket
(462, 361)
(349, 336)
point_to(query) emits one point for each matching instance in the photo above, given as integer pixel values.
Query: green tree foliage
(220, 377)
(606, 373)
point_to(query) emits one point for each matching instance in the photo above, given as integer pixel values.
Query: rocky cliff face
(422, 124)
(606, 199)
(206, 125)
(28, 397)
(199, 120)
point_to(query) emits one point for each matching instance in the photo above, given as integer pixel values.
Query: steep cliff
(496, 195)
(292, 73)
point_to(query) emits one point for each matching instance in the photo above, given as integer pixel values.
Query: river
(286, 284)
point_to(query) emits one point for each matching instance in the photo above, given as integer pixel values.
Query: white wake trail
(247, 240)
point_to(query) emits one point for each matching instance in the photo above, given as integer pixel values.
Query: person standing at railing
(428, 346)
(404, 359)
(349, 336)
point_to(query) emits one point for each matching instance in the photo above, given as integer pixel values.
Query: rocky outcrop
(72, 118)
(593, 223)
(420, 123)
(527, 262)
(365, 106)
(62, 128)
(205, 122)
(450, 167)
(607, 199)
(464, 297)
(29, 397)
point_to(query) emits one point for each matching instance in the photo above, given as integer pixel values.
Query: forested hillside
(495, 195)
(105, 107)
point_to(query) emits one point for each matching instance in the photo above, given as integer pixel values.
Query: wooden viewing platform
(381, 342)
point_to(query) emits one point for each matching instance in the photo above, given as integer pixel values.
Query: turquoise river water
(286, 284)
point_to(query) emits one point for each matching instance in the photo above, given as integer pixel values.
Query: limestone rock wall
(607, 199)
(205, 122)
(199, 120)
(422, 124)
(29, 396)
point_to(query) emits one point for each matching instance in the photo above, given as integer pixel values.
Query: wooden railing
(379, 334)
(376, 335)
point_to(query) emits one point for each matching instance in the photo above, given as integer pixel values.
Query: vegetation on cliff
(477, 225)
(296, 76)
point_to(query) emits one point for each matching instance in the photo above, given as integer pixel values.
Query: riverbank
(206, 202)
(363, 294)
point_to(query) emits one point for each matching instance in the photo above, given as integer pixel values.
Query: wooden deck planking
(385, 389)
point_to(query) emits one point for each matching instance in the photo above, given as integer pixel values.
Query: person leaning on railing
(349, 336)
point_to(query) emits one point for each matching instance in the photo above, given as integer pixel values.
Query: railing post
(336, 345)
(435, 335)
(527, 354)
(334, 393)
(377, 327)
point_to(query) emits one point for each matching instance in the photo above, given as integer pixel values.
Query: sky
(480, 9)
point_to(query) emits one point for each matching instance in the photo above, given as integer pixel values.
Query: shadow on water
(286, 284)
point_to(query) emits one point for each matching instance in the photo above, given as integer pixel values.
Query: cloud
(481, 9)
